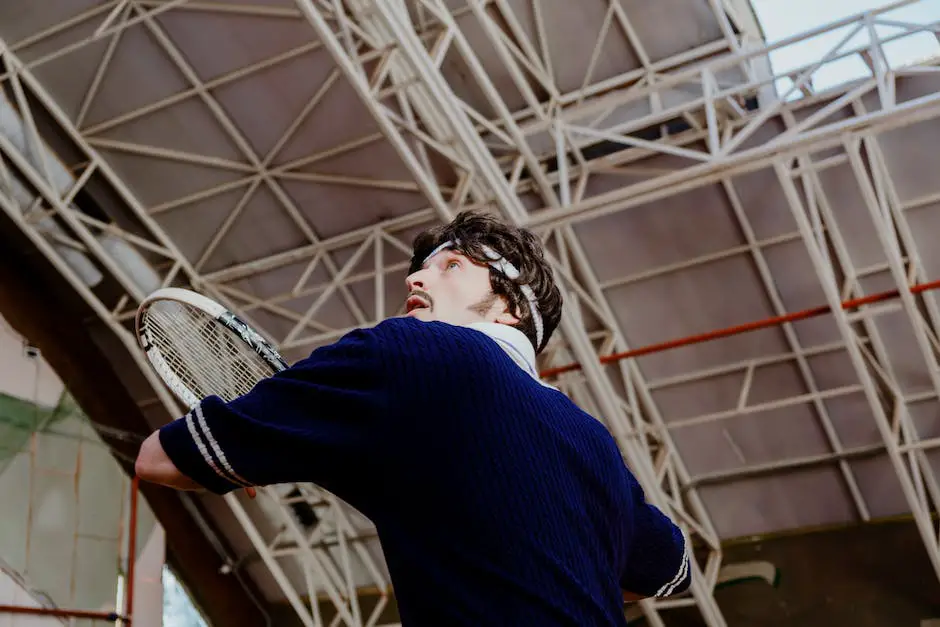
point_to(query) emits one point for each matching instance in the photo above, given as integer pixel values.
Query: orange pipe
(743, 328)
(55, 612)
(131, 552)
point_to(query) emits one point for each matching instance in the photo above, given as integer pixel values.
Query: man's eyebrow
(447, 253)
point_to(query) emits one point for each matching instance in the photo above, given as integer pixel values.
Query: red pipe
(742, 328)
(55, 612)
(131, 552)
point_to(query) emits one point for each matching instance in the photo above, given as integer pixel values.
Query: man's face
(451, 288)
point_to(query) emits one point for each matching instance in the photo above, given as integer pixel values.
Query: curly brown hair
(475, 230)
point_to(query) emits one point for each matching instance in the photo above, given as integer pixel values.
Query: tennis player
(497, 501)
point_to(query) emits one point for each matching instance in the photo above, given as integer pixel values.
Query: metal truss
(409, 70)
(715, 149)
(866, 347)
(724, 139)
(112, 266)
(536, 164)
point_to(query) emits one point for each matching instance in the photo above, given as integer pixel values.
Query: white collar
(514, 342)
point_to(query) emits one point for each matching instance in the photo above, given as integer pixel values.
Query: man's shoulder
(431, 342)
(410, 329)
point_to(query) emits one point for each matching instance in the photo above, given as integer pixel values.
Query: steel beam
(412, 70)
(891, 415)
(33, 178)
(394, 66)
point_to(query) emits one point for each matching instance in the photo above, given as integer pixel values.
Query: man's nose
(416, 281)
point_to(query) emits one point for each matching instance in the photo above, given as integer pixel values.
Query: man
(497, 501)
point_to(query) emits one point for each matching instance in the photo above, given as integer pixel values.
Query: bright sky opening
(781, 19)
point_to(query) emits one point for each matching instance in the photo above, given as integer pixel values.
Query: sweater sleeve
(658, 564)
(317, 421)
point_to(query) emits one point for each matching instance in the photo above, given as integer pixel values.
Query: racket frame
(232, 323)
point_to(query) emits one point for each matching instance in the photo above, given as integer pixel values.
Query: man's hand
(155, 466)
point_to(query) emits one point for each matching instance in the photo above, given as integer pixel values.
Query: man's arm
(317, 421)
(659, 559)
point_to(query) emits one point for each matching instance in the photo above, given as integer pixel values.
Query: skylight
(178, 608)
(783, 19)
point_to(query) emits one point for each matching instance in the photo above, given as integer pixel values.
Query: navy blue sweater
(497, 500)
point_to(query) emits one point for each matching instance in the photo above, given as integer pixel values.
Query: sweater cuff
(681, 580)
(191, 447)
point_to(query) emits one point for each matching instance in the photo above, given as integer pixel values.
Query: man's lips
(416, 301)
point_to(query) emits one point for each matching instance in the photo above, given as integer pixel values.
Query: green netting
(19, 419)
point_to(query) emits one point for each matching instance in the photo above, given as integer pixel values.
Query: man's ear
(507, 317)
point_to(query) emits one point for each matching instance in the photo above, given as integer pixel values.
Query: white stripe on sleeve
(229, 474)
(667, 589)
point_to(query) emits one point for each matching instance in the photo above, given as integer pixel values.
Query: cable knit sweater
(497, 501)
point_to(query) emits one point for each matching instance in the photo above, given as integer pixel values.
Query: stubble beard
(484, 306)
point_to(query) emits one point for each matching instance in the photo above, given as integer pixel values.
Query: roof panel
(261, 227)
(23, 21)
(926, 419)
(909, 159)
(138, 74)
(662, 35)
(764, 206)
(779, 434)
(901, 352)
(855, 225)
(832, 370)
(216, 44)
(880, 487)
(192, 236)
(696, 301)
(266, 106)
(924, 223)
(340, 119)
(187, 126)
(161, 183)
(687, 262)
(800, 498)
(851, 415)
(337, 208)
(659, 234)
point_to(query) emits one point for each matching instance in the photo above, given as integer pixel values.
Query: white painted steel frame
(917, 479)
(415, 75)
(429, 93)
(574, 119)
(325, 573)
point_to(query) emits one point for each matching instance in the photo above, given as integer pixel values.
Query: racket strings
(206, 357)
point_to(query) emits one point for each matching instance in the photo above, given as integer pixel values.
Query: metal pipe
(110, 617)
(742, 328)
(131, 552)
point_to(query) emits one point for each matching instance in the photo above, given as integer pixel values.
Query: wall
(64, 523)
(13, 592)
(30, 392)
(25, 377)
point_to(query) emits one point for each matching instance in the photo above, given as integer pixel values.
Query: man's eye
(453, 264)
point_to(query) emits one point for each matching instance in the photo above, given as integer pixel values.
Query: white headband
(510, 271)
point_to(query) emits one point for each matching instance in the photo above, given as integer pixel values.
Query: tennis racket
(199, 348)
